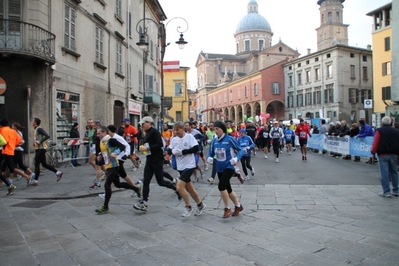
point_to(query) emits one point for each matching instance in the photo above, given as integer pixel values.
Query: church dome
(253, 21)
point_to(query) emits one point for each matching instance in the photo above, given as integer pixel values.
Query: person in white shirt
(184, 148)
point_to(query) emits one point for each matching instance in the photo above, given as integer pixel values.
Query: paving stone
(222, 242)
(310, 259)
(141, 259)
(382, 243)
(139, 239)
(55, 257)
(16, 255)
(231, 260)
(356, 248)
(7, 224)
(10, 239)
(260, 256)
(38, 236)
(292, 241)
(333, 217)
(319, 221)
(116, 247)
(92, 257)
(161, 253)
(45, 247)
(74, 242)
(341, 256)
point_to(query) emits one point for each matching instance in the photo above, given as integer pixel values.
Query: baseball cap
(242, 130)
(274, 122)
(126, 120)
(146, 119)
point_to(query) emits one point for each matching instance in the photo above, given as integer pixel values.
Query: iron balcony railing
(18, 37)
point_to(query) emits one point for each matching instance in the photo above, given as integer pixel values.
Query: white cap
(146, 119)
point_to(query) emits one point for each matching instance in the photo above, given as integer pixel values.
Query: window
(328, 55)
(290, 100)
(239, 94)
(337, 16)
(329, 14)
(308, 98)
(317, 96)
(118, 10)
(129, 26)
(225, 98)
(220, 99)
(231, 95)
(178, 89)
(307, 76)
(256, 89)
(322, 18)
(387, 43)
(352, 55)
(365, 76)
(299, 78)
(307, 62)
(261, 44)
(149, 82)
(299, 99)
(386, 68)
(299, 64)
(290, 81)
(99, 45)
(276, 88)
(140, 81)
(247, 45)
(119, 57)
(329, 71)
(366, 95)
(69, 31)
(353, 95)
(179, 116)
(329, 94)
(316, 59)
(386, 93)
(290, 68)
(364, 58)
(151, 49)
(245, 92)
(353, 74)
(317, 74)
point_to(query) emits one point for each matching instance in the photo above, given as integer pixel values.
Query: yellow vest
(106, 150)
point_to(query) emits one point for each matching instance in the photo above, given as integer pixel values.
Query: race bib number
(288, 136)
(265, 135)
(93, 148)
(220, 154)
(276, 135)
(105, 157)
(302, 134)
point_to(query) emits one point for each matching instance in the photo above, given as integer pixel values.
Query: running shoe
(265, 156)
(385, 195)
(138, 192)
(206, 167)
(240, 178)
(199, 209)
(202, 174)
(226, 213)
(211, 180)
(174, 181)
(276, 160)
(102, 195)
(396, 194)
(134, 169)
(253, 171)
(141, 207)
(95, 185)
(102, 210)
(103, 176)
(246, 178)
(10, 190)
(34, 183)
(179, 197)
(187, 211)
(237, 210)
(59, 175)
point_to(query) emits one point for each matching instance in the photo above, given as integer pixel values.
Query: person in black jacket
(74, 134)
(152, 148)
(344, 132)
(353, 132)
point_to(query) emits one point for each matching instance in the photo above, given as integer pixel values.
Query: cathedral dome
(253, 21)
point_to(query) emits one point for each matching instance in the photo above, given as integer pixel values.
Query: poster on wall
(74, 112)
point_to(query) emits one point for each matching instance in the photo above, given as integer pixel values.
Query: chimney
(308, 50)
(368, 47)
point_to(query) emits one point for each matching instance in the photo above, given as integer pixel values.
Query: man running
(184, 148)
(130, 135)
(246, 145)
(276, 134)
(302, 131)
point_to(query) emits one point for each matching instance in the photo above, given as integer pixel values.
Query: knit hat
(220, 125)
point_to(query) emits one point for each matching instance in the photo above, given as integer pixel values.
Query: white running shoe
(276, 160)
(187, 211)
(206, 167)
(102, 195)
(265, 156)
(253, 171)
(211, 180)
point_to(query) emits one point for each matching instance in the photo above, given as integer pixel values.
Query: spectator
(353, 132)
(74, 134)
(344, 132)
(366, 131)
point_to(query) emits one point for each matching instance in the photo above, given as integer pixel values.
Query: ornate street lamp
(143, 44)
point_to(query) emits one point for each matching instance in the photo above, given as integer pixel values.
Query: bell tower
(332, 31)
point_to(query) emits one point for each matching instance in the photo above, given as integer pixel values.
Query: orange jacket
(12, 138)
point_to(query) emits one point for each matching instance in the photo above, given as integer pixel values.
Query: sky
(212, 24)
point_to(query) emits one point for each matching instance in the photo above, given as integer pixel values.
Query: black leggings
(40, 158)
(224, 180)
(154, 168)
(246, 163)
(276, 148)
(19, 160)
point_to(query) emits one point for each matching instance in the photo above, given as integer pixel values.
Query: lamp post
(143, 44)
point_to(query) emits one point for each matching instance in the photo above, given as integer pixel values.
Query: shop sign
(65, 96)
(134, 108)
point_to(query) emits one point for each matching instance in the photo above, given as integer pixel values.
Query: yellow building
(175, 86)
(382, 59)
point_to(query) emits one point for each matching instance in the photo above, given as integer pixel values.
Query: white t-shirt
(122, 141)
(186, 161)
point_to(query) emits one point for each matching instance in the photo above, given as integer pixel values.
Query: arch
(239, 112)
(276, 109)
(248, 110)
(233, 113)
(257, 108)
(227, 112)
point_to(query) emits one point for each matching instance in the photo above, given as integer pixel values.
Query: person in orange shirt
(13, 139)
(130, 135)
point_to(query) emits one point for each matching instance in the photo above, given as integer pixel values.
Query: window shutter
(73, 21)
(66, 30)
(14, 9)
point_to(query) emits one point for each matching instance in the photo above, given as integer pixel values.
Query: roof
(378, 10)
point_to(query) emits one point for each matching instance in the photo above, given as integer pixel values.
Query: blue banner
(357, 146)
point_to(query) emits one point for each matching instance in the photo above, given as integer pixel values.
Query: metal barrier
(73, 150)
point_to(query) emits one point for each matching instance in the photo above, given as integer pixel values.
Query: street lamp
(143, 44)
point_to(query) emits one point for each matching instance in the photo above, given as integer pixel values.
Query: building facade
(81, 61)
(336, 81)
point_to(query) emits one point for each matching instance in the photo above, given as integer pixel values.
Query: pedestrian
(93, 159)
(276, 134)
(222, 147)
(251, 132)
(154, 164)
(353, 132)
(288, 136)
(184, 148)
(110, 148)
(190, 129)
(246, 144)
(40, 144)
(345, 132)
(264, 139)
(323, 130)
(302, 131)
(87, 144)
(19, 151)
(74, 134)
(386, 145)
(366, 131)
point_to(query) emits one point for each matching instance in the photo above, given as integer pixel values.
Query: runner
(93, 158)
(222, 147)
(246, 145)
(276, 134)
(130, 135)
(288, 136)
(184, 148)
(19, 151)
(302, 131)
(264, 139)
(251, 132)
(189, 127)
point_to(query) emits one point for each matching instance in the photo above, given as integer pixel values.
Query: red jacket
(302, 131)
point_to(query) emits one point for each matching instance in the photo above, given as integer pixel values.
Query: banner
(345, 145)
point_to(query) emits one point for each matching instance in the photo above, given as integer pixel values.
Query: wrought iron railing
(25, 38)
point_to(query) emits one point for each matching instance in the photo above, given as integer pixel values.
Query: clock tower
(332, 31)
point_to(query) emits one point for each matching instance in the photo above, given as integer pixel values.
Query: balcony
(151, 97)
(168, 102)
(25, 39)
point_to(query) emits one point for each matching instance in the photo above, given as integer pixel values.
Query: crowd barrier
(343, 145)
(74, 149)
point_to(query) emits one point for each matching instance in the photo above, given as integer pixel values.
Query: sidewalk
(280, 225)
